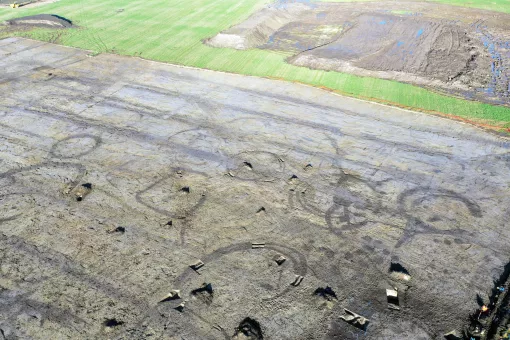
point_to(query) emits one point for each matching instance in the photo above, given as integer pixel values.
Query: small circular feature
(258, 166)
(75, 146)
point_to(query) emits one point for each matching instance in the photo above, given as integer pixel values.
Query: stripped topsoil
(144, 201)
(41, 20)
(457, 50)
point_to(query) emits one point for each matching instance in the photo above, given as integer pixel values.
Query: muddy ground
(39, 20)
(461, 51)
(117, 174)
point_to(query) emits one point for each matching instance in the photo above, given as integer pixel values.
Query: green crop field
(172, 31)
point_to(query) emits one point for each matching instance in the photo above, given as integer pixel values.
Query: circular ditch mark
(436, 212)
(7, 181)
(75, 146)
(8, 177)
(15, 205)
(258, 166)
(299, 264)
(492, 165)
(200, 139)
(299, 267)
(345, 206)
(177, 195)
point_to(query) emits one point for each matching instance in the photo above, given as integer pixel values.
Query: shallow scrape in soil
(146, 201)
(40, 20)
(461, 51)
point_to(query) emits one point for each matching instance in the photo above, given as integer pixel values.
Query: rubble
(279, 259)
(256, 245)
(355, 319)
(173, 295)
(197, 265)
(83, 190)
(297, 281)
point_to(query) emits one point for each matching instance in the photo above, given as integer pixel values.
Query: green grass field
(172, 31)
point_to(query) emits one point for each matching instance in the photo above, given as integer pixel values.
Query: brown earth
(117, 174)
(457, 50)
(41, 20)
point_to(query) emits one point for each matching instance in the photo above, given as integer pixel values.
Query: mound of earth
(257, 29)
(457, 50)
(41, 20)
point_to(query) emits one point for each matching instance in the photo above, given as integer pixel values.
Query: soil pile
(41, 20)
(258, 28)
(461, 51)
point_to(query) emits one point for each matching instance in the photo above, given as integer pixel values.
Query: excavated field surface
(461, 51)
(178, 165)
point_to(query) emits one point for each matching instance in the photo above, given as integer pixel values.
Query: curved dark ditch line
(212, 137)
(259, 171)
(300, 102)
(188, 211)
(11, 180)
(347, 198)
(298, 260)
(220, 329)
(300, 194)
(344, 218)
(10, 218)
(81, 169)
(74, 118)
(22, 194)
(67, 266)
(415, 226)
(165, 212)
(427, 192)
(11, 306)
(97, 142)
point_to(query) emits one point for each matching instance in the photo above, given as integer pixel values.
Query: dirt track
(180, 163)
(461, 51)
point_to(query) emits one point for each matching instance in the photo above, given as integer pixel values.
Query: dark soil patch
(41, 20)
(250, 328)
(397, 267)
(113, 323)
(327, 293)
(204, 293)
